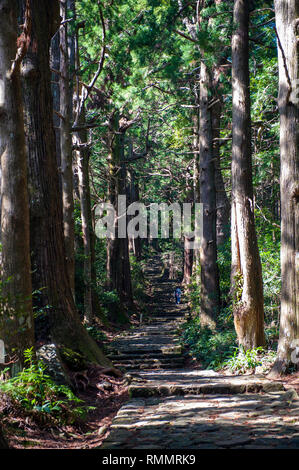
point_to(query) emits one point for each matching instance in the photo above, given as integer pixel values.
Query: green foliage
(272, 335)
(210, 347)
(73, 359)
(193, 295)
(245, 361)
(139, 283)
(40, 397)
(217, 349)
(224, 266)
(98, 335)
(269, 245)
(149, 67)
(112, 306)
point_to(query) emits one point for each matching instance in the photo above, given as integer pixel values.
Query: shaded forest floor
(106, 394)
(22, 432)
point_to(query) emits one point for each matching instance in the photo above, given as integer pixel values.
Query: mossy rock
(73, 359)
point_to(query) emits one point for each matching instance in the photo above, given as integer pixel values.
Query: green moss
(73, 359)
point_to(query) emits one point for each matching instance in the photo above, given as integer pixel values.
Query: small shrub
(252, 360)
(210, 347)
(40, 396)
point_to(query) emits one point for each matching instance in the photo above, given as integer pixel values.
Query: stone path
(154, 345)
(171, 407)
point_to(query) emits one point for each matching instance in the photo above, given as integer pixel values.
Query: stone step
(148, 367)
(132, 357)
(168, 330)
(196, 382)
(136, 391)
(164, 328)
(165, 349)
(250, 421)
(163, 321)
(150, 362)
(146, 343)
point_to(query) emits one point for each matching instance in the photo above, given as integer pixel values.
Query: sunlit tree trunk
(16, 319)
(287, 20)
(246, 266)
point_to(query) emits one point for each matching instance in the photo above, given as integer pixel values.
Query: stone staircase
(173, 407)
(154, 344)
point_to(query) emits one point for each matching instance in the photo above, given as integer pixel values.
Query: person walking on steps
(177, 295)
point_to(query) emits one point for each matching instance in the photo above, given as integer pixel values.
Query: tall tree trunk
(210, 295)
(196, 184)
(47, 238)
(135, 244)
(83, 180)
(222, 202)
(80, 139)
(66, 149)
(246, 266)
(209, 276)
(287, 14)
(16, 319)
(118, 263)
(55, 87)
(188, 260)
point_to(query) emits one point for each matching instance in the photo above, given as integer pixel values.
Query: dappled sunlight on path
(173, 407)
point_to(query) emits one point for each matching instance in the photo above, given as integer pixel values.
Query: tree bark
(118, 263)
(188, 260)
(196, 183)
(209, 276)
(50, 274)
(246, 266)
(287, 14)
(91, 301)
(16, 319)
(135, 244)
(210, 295)
(55, 66)
(66, 149)
(83, 180)
(222, 202)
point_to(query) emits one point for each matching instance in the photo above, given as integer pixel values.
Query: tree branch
(23, 41)
(85, 94)
(185, 36)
